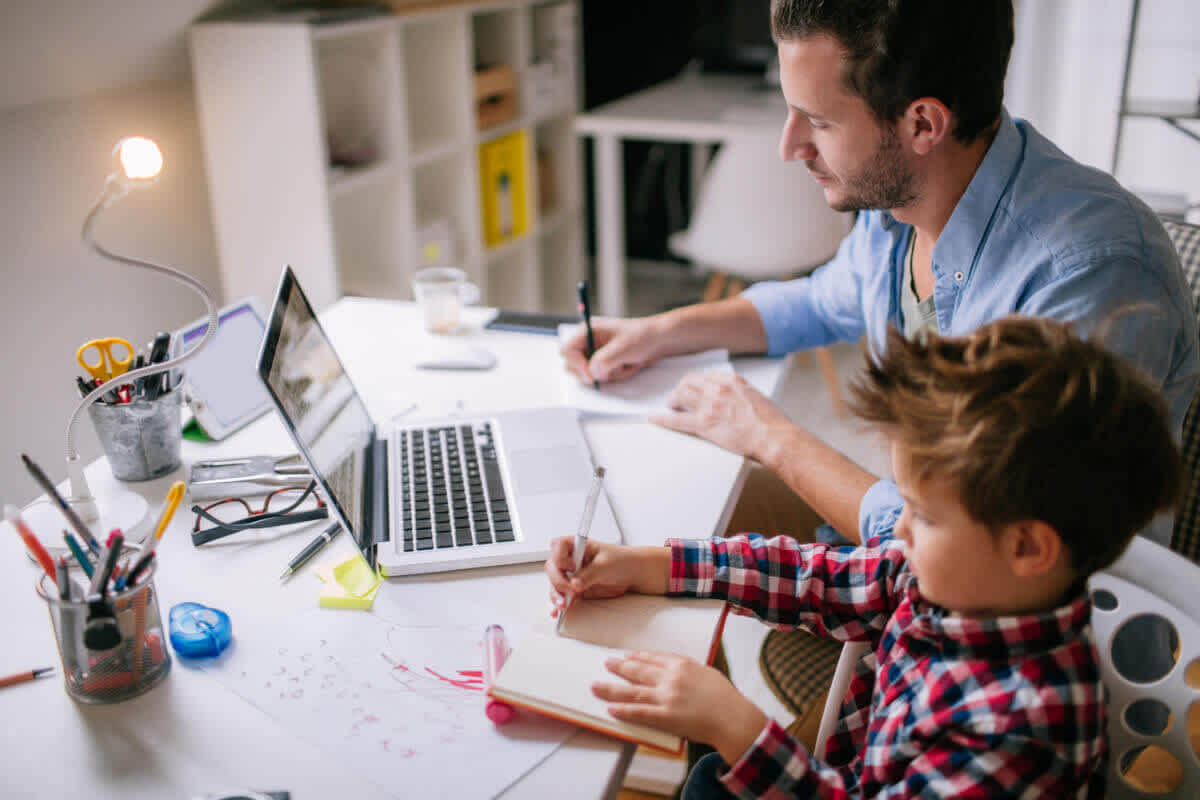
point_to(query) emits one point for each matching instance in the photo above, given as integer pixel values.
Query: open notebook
(644, 393)
(553, 674)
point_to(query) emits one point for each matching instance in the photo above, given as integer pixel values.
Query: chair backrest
(759, 217)
(1146, 622)
(1186, 537)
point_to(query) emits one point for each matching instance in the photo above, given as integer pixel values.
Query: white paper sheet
(397, 702)
(646, 392)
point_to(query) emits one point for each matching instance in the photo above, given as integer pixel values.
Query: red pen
(495, 653)
(31, 541)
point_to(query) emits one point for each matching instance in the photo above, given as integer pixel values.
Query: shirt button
(958, 276)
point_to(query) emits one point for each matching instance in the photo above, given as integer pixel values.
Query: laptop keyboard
(451, 489)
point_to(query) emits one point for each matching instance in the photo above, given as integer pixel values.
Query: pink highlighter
(495, 653)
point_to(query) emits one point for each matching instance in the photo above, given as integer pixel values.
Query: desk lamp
(136, 163)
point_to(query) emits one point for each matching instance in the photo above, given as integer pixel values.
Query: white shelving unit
(331, 146)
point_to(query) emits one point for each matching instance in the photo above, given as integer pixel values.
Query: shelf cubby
(437, 81)
(370, 230)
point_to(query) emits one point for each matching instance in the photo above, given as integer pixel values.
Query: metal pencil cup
(142, 439)
(138, 662)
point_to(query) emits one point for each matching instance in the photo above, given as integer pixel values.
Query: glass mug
(442, 292)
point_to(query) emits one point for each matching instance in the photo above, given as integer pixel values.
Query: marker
(22, 677)
(40, 478)
(581, 537)
(311, 549)
(585, 310)
(174, 495)
(495, 653)
(85, 563)
(31, 541)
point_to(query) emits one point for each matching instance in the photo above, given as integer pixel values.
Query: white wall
(1065, 77)
(57, 292)
(76, 76)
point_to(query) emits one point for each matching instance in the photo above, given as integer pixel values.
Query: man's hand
(727, 411)
(624, 347)
(608, 570)
(681, 696)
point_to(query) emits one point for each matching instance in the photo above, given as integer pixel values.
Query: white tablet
(221, 384)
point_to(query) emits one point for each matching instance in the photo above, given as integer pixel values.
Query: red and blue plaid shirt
(955, 707)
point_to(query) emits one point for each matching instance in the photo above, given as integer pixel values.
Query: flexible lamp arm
(116, 186)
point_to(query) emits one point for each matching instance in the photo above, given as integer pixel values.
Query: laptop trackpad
(542, 470)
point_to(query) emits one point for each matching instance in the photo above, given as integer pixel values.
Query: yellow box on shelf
(503, 178)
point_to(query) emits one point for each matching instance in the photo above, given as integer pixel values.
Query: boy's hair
(1029, 422)
(900, 50)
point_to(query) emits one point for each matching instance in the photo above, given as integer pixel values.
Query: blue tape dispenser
(198, 631)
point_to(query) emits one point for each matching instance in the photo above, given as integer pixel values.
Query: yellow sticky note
(350, 584)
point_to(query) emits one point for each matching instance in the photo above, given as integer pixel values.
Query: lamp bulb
(139, 157)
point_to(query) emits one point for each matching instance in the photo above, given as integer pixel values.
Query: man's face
(858, 162)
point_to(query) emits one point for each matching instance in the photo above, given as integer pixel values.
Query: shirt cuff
(778, 310)
(693, 568)
(879, 510)
(750, 775)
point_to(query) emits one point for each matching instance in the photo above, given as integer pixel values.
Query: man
(896, 110)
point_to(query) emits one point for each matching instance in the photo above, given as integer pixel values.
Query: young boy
(1027, 459)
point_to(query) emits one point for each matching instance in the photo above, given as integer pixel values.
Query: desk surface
(692, 107)
(191, 735)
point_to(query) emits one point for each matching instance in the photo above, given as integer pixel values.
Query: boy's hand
(683, 697)
(608, 570)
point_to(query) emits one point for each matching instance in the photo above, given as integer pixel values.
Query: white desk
(700, 109)
(190, 735)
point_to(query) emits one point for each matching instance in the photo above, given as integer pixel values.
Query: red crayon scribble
(474, 685)
(472, 673)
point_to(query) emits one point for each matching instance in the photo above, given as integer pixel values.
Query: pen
(311, 550)
(158, 353)
(585, 309)
(22, 677)
(108, 560)
(85, 563)
(581, 537)
(495, 653)
(31, 541)
(52, 493)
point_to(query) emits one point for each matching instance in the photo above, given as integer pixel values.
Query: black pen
(153, 386)
(311, 550)
(585, 309)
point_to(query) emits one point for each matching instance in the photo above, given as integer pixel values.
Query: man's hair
(900, 50)
(1026, 421)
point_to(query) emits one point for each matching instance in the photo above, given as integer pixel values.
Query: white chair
(757, 217)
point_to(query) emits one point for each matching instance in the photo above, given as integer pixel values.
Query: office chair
(759, 218)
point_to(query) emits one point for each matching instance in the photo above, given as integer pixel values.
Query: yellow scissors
(106, 365)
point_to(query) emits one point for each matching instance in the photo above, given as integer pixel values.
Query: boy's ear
(1034, 548)
(926, 123)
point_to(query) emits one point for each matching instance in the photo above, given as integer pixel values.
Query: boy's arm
(844, 593)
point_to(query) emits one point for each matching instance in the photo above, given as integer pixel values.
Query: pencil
(22, 677)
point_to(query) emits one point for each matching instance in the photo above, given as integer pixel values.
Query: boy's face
(958, 561)
(859, 163)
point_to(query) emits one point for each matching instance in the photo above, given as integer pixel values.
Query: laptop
(430, 495)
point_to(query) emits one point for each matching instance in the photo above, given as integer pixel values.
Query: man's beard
(885, 181)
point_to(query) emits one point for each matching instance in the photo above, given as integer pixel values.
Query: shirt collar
(970, 221)
(1004, 638)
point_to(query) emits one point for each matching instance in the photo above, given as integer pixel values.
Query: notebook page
(644, 393)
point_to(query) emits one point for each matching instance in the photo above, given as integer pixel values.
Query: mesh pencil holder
(133, 666)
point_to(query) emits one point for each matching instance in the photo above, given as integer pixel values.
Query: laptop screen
(319, 404)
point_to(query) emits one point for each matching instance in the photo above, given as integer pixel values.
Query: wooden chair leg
(825, 359)
(734, 287)
(715, 288)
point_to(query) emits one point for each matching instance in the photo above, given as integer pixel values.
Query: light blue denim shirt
(1035, 233)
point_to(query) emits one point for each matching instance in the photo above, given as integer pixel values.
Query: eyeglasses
(233, 514)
